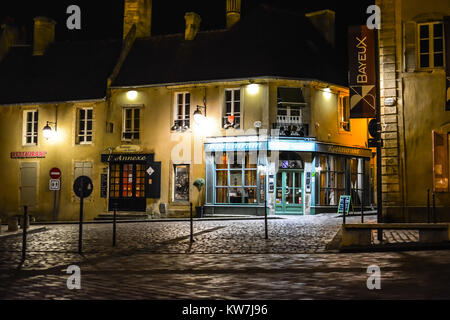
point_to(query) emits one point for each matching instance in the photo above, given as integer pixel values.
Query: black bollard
(114, 224)
(192, 225)
(434, 208)
(80, 226)
(24, 232)
(265, 218)
(343, 212)
(428, 206)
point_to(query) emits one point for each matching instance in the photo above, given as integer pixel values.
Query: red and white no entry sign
(55, 173)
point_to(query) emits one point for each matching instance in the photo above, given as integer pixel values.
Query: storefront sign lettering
(28, 154)
(127, 157)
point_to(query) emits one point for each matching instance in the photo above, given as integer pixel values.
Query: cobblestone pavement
(228, 260)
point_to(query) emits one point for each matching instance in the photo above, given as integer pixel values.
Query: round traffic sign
(83, 186)
(55, 173)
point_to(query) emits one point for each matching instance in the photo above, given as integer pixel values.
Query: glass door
(127, 187)
(289, 192)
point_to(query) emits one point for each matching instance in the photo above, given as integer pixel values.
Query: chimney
(324, 21)
(44, 34)
(192, 25)
(8, 37)
(233, 12)
(138, 12)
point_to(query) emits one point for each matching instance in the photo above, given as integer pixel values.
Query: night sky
(102, 19)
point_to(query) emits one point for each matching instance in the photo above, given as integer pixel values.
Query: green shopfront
(294, 176)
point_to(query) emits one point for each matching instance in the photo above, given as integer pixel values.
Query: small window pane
(237, 107)
(424, 60)
(235, 178)
(29, 116)
(237, 95)
(438, 45)
(424, 46)
(438, 60)
(437, 30)
(228, 95)
(424, 31)
(188, 98)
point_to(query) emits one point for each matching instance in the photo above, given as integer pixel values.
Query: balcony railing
(289, 120)
(291, 126)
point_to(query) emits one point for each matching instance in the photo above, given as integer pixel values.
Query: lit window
(431, 45)
(344, 113)
(182, 111)
(30, 127)
(85, 125)
(232, 116)
(131, 123)
(181, 183)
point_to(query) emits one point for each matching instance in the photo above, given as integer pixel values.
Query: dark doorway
(127, 187)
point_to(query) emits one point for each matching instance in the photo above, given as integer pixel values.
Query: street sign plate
(55, 173)
(83, 186)
(55, 184)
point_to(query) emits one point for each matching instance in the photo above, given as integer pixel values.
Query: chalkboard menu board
(344, 204)
(103, 185)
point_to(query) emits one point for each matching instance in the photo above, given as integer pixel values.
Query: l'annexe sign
(28, 154)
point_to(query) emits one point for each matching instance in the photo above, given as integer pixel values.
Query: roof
(68, 71)
(267, 42)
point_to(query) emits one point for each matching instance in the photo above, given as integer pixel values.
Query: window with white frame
(30, 127)
(131, 123)
(85, 117)
(431, 45)
(232, 117)
(344, 113)
(182, 111)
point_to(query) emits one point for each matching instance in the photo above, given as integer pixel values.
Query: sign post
(83, 188)
(55, 185)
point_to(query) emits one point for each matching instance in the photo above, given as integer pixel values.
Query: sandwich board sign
(344, 204)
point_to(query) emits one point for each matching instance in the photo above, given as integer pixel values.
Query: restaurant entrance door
(127, 186)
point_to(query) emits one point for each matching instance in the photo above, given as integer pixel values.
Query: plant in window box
(199, 183)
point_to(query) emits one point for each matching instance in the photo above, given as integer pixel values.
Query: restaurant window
(357, 179)
(232, 118)
(431, 45)
(332, 179)
(181, 182)
(344, 113)
(182, 111)
(236, 177)
(131, 123)
(440, 162)
(84, 134)
(30, 127)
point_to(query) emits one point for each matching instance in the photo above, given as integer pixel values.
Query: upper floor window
(232, 116)
(84, 132)
(290, 112)
(131, 123)
(30, 127)
(344, 113)
(431, 45)
(182, 111)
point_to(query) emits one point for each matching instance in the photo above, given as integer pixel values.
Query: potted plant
(199, 183)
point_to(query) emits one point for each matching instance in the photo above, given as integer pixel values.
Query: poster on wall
(361, 76)
(447, 55)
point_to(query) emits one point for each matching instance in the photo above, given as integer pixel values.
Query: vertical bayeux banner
(447, 54)
(362, 77)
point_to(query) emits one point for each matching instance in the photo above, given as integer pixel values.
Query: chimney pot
(44, 34)
(192, 25)
(233, 12)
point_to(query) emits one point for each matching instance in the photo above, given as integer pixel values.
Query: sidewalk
(6, 234)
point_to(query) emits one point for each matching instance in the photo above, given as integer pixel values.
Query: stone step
(122, 216)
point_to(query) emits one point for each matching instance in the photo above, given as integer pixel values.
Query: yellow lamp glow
(132, 94)
(252, 88)
(327, 93)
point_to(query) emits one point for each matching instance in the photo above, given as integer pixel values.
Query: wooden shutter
(440, 162)
(409, 47)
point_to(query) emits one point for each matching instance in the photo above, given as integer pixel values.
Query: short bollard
(192, 224)
(13, 224)
(114, 224)
(24, 232)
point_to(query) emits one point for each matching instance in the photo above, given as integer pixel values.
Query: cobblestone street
(228, 260)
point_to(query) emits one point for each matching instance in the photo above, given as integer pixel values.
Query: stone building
(413, 56)
(258, 109)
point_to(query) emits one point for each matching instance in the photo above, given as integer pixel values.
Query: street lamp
(198, 116)
(47, 131)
